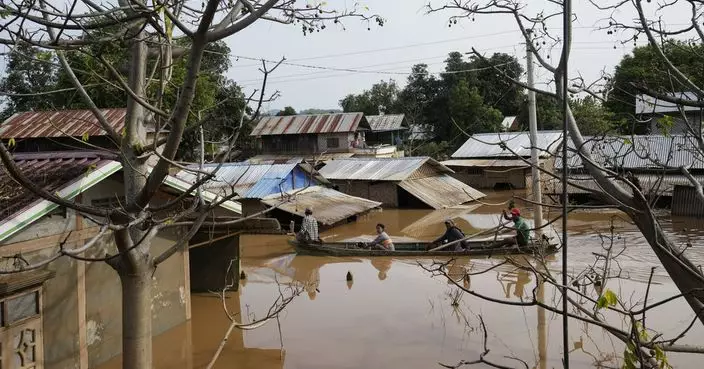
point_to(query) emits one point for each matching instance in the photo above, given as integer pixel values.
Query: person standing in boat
(521, 226)
(382, 240)
(452, 234)
(309, 228)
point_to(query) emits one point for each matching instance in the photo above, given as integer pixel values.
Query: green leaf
(608, 298)
(11, 143)
(627, 141)
(85, 137)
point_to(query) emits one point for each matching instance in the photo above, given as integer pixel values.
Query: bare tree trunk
(136, 320)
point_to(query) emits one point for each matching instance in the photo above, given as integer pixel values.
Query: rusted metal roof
(58, 123)
(329, 206)
(387, 122)
(489, 145)
(441, 192)
(310, 124)
(485, 163)
(52, 171)
(382, 169)
(638, 152)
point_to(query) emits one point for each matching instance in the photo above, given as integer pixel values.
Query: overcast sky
(409, 36)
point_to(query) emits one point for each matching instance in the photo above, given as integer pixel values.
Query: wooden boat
(418, 249)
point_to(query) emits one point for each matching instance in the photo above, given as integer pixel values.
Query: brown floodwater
(394, 314)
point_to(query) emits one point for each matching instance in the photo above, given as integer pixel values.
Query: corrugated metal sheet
(646, 104)
(277, 181)
(514, 163)
(386, 122)
(686, 203)
(441, 191)
(488, 145)
(310, 124)
(329, 206)
(60, 123)
(638, 152)
(508, 122)
(290, 159)
(378, 169)
(237, 177)
(654, 184)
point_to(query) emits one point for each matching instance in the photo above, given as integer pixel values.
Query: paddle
(466, 238)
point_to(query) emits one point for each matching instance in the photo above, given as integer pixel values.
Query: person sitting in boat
(309, 228)
(382, 240)
(521, 226)
(452, 234)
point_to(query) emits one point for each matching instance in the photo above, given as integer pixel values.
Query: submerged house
(288, 188)
(501, 160)
(654, 160)
(65, 314)
(414, 182)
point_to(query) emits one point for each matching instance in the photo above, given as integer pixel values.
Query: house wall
(489, 177)
(344, 140)
(384, 192)
(282, 144)
(679, 126)
(686, 203)
(82, 304)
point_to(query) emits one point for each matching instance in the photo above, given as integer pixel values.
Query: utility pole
(537, 195)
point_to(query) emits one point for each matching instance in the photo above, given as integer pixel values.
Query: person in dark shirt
(452, 233)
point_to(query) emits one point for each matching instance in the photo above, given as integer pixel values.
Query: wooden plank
(81, 306)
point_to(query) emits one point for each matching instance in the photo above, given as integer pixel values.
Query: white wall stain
(93, 332)
(182, 295)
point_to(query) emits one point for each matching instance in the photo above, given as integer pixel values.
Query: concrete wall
(210, 262)
(385, 192)
(82, 303)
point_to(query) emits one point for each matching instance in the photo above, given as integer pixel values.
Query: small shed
(387, 129)
(502, 160)
(414, 182)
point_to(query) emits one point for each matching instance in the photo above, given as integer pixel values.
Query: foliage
(381, 97)
(287, 111)
(608, 298)
(30, 70)
(592, 117)
(438, 150)
(644, 68)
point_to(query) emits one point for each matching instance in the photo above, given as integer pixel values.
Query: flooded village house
(414, 182)
(288, 188)
(317, 137)
(653, 162)
(387, 131)
(67, 314)
(501, 160)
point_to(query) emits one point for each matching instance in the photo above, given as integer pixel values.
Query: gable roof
(488, 145)
(310, 124)
(254, 180)
(60, 123)
(380, 169)
(638, 152)
(387, 122)
(66, 174)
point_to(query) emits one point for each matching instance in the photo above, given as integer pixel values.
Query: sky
(409, 36)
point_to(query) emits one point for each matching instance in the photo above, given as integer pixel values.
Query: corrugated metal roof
(386, 122)
(638, 152)
(658, 184)
(488, 145)
(485, 163)
(378, 169)
(297, 158)
(441, 192)
(237, 177)
(646, 104)
(60, 123)
(310, 124)
(329, 206)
